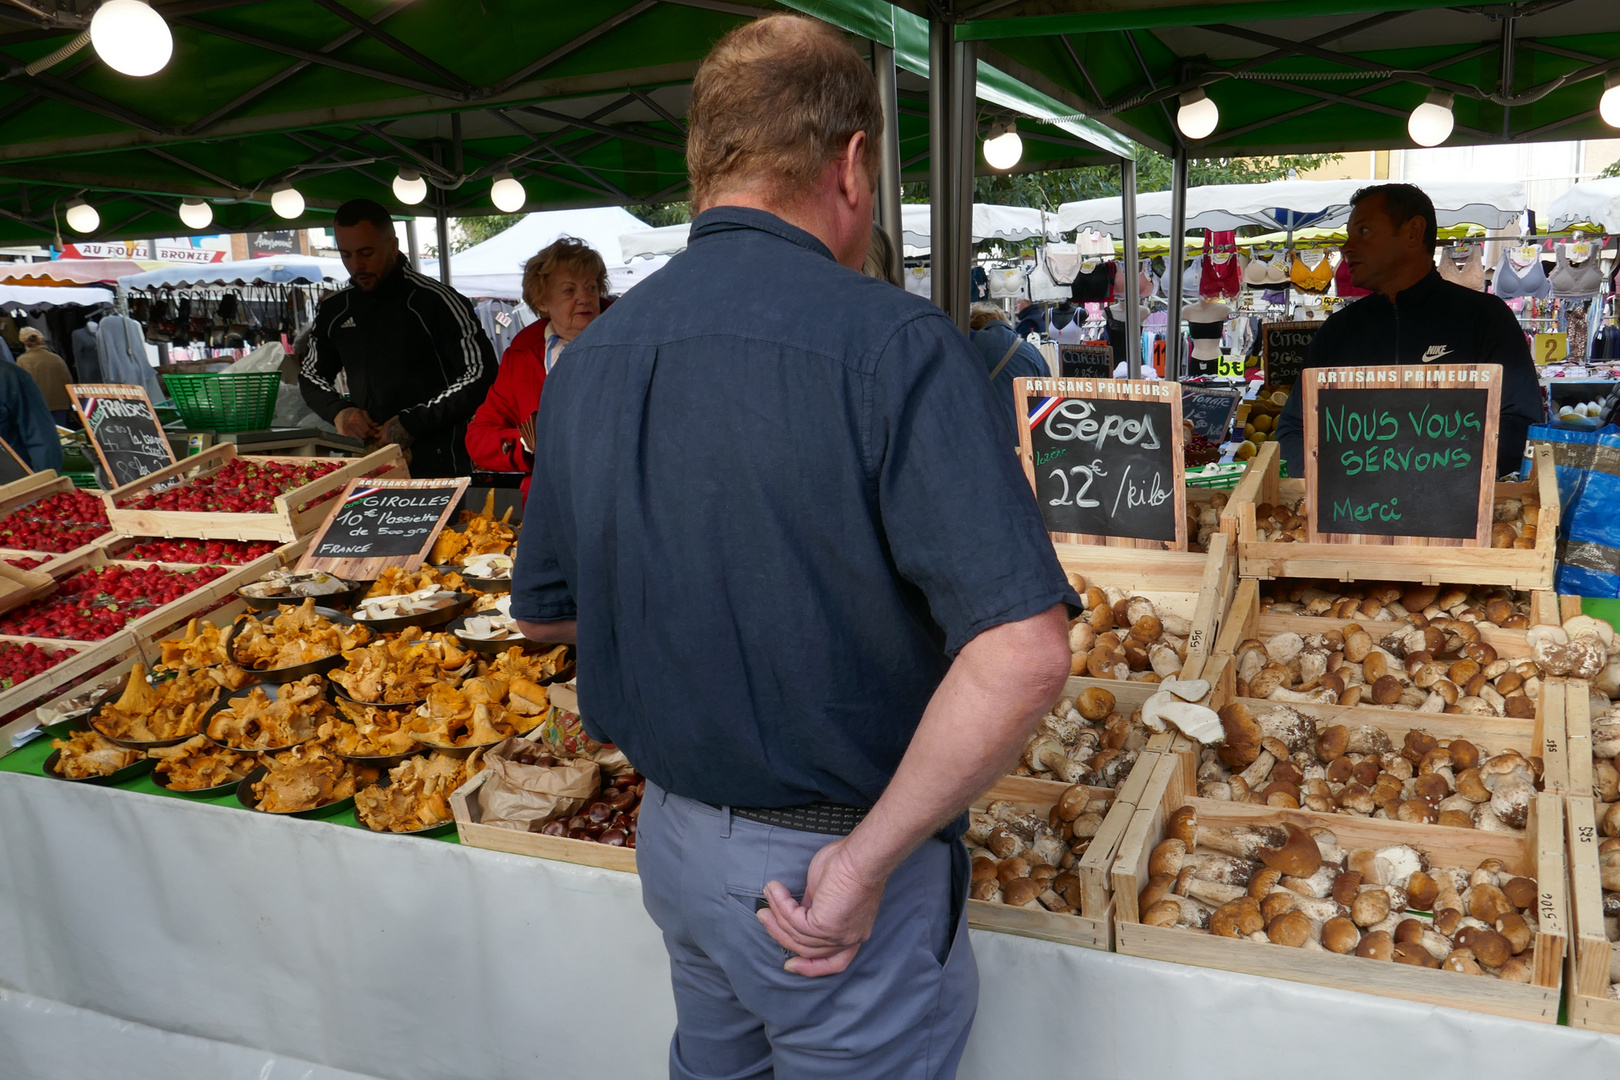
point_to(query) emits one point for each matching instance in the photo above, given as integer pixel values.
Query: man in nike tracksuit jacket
(1414, 316)
(418, 362)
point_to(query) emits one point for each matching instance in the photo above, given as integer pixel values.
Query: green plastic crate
(245, 401)
(1216, 475)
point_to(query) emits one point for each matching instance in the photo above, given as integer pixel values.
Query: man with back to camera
(418, 362)
(1414, 316)
(771, 536)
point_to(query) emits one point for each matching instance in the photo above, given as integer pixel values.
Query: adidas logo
(347, 324)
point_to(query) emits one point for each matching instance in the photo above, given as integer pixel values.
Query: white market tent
(27, 295)
(1285, 204)
(280, 270)
(1595, 202)
(990, 222)
(494, 268)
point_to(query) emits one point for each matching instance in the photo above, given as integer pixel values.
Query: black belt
(834, 819)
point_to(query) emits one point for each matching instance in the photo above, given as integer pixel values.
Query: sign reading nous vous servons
(1394, 451)
(1104, 457)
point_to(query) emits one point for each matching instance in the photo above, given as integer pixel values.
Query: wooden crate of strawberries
(1269, 527)
(224, 495)
(44, 519)
(1466, 919)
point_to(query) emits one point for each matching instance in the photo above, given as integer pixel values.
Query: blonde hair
(774, 102)
(566, 253)
(983, 313)
(29, 337)
(880, 261)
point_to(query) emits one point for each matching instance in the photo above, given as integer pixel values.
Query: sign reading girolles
(380, 523)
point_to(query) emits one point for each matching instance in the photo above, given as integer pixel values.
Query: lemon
(1264, 423)
(1245, 451)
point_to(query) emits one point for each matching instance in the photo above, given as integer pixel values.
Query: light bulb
(286, 201)
(196, 213)
(507, 194)
(409, 187)
(1430, 123)
(1003, 148)
(1609, 103)
(82, 217)
(130, 37)
(1198, 114)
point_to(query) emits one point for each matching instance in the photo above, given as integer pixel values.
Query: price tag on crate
(1104, 457)
(1395, 451)
(382, 523)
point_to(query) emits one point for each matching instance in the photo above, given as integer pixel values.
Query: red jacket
(514, 397)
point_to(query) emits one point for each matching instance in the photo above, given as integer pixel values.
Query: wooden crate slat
(1578, 737)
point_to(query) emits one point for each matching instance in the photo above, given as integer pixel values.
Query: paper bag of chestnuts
(536, 788)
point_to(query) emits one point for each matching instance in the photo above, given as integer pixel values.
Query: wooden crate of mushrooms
(1042, 860)
(1467, 919)
(1269, 527)
(1501, 691)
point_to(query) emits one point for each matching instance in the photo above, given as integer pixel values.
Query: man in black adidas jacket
(418, 362)
(1415, 316)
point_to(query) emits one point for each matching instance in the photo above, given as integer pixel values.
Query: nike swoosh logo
(1435, 352)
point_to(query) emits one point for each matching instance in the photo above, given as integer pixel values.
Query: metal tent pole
(413, 246)
(964, 92)
(1133, 297)
(441, 219)
(940, 257)
(1178, 246)
(888, 200)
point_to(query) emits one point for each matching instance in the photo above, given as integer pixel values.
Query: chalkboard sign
(1210, 411)
(1282, 349)
(1086, 361)
(381, 523)
(123, 428)
(1401, 452)
(1104, 457)
(12, 466)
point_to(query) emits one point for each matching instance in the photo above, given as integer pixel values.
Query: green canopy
(1297, 76)
(583, 102)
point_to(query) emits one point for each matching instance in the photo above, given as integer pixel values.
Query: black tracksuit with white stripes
(411, 347)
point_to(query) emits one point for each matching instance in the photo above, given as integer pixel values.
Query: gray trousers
(903, 1007)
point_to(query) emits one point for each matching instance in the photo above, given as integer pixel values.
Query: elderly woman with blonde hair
(566, 285)
(1006, 356)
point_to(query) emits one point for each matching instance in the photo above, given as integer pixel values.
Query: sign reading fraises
(381, 523)
(1401, 452)
(123, 428)
(1104, 458)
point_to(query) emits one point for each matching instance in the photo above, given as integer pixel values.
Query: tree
(470, 231)
(660, 214)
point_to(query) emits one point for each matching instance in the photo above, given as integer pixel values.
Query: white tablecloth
(145, 937)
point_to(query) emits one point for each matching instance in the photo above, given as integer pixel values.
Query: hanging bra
(1092, 286)
(1254, 275)
(1511, 282)
(1470, 273)
(1219, 280)
(1310, 280)
(1342, 283)
(1062, 262)
(1192, 277)
(1582, 280)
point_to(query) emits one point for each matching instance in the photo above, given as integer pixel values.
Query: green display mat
(30, 760)
(1601, 608)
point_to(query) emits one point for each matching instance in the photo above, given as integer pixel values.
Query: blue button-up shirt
(778, 496)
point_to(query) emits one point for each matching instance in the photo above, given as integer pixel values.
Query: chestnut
(599, 812)
(551, 828)
(593, 829)
(613, 838)
(578, 834)
(622, 799)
